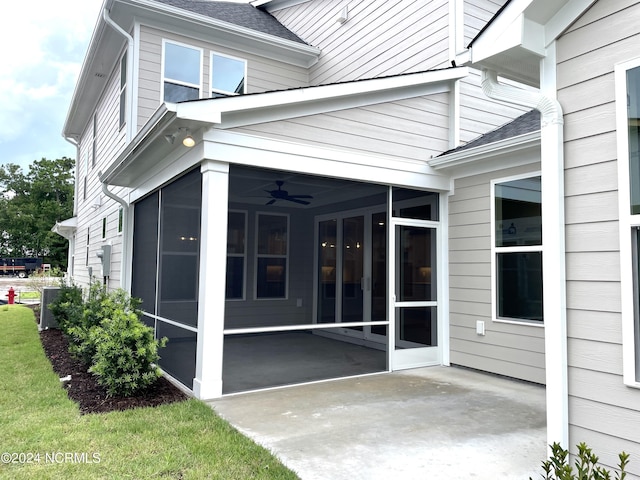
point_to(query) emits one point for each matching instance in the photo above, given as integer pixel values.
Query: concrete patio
(428, 423)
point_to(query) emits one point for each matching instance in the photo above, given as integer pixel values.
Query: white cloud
(44, 44)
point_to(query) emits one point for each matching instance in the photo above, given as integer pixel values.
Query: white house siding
(476, 15)
(263, 74)
(413, 129)
(110, 142)
(602, 411)
(380, 38)
(393, 37)
(514, 350)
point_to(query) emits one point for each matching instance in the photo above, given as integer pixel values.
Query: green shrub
(67, 307)
(558, 468)
(125, 353)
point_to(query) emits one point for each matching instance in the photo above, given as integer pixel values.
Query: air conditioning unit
(47, 320)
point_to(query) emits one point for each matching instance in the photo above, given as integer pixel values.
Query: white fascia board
(324, 97)
(256, 151)
(499, 37)
(568, 14)
(466, 157)
(275, 5)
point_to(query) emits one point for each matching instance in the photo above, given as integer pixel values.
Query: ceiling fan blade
(300, 196)
(295, 200)
(271, 202)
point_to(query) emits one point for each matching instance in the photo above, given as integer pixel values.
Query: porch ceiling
(251, 186)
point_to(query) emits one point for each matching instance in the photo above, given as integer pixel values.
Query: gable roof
(241, 14)
(527, 123)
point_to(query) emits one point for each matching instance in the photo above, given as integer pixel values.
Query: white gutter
(553, 241)
(129, 110)
(124, 260)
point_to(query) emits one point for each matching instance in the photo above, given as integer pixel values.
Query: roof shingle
(527, 123)
(241, 14)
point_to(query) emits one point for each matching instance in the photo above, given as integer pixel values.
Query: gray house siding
(261, 313)
(507, 349)
(262, 74)
(602, 411)
(110, 141)
(412, 129)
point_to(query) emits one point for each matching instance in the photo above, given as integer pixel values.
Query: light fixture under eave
(188, 140)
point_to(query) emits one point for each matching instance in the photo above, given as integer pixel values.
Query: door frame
(400, 359)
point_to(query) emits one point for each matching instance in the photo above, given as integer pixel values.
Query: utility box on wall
(104, 254)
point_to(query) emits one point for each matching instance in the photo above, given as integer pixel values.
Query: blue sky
(43, 46)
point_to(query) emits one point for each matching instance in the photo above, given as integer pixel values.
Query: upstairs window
(228, 75)
(182, 72)
(517, 249)
(123, 90)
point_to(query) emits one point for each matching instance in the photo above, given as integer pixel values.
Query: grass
(29, 295)
(185, 440)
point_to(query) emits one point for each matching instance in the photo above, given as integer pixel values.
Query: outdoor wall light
(188, 141)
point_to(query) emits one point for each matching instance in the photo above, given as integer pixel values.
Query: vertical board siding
(411, 129)
(587, 53)
(506, 349)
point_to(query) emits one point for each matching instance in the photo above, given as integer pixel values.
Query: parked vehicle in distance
(20, 267)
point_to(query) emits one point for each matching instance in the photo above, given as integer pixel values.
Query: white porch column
(211, 297)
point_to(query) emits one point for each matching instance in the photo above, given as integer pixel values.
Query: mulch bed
(83, 388)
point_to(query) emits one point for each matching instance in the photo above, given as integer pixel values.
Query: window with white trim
(182, 72)
(236, 255)
(123, 90)
(228, 75)
(517, 249)
(627, 81)
(120, 219)
(272, 255)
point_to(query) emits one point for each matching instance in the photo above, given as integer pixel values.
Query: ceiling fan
(280, 194)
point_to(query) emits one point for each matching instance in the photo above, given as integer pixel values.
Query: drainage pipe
(129, 96)
(124, 260)
(553, 241)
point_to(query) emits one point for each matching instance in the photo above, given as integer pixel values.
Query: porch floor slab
(434, 422)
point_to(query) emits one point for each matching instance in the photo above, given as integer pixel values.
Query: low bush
(106, 333)
(125, 353)
(586, 463)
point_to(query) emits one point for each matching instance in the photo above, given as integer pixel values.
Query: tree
(30, 204)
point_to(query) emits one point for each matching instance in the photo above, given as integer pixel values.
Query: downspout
(72, 240)
(129, 38)
(553, 240)
(125, 217)
(124, 262)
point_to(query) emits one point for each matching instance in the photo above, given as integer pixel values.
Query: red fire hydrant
(11, 295)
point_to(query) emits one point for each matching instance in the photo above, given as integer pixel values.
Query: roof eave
(517, 38)
(282, 49)
(464, 157)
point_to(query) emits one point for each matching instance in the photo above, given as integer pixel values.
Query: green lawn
(185, 440)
